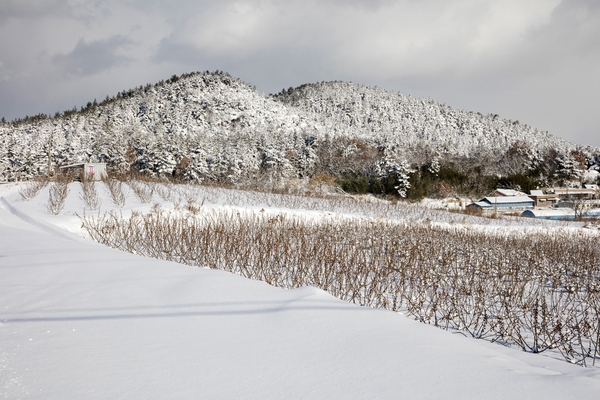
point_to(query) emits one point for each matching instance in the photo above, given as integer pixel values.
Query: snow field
(106, 324)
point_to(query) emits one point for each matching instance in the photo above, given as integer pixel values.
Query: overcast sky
(536, 61)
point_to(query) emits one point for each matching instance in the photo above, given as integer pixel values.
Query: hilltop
(205, 125)
(417, 126)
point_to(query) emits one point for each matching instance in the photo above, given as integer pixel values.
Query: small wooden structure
(87, 171)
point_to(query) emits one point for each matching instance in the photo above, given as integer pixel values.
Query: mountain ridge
(414, 120)
(213, 126)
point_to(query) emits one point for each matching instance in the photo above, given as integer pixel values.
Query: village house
(589, 192)
(508, 200)
(503, 203)
(542, 200)
(507, 193)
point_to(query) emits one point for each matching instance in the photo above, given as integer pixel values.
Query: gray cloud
(30, 8)
(531, 60)
(269, 69)
(93, 57)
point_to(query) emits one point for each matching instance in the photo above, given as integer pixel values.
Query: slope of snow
(79, 320)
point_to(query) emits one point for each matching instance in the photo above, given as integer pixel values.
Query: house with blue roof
(503, 203)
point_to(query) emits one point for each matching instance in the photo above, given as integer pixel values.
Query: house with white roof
(508, 192)
(503, 203)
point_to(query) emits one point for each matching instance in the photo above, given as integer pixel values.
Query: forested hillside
(413, 126)
(211, 126)
(204, 125)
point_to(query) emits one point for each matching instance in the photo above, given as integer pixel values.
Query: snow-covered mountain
(213, 126)
(409, 123)
(206, 124)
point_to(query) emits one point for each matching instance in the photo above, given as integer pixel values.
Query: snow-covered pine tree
(400, 170)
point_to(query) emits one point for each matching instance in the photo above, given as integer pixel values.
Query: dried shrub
(115, 190)
(539, 292)
(30, 189)
(89, 194)
(142, 190)
(58, 192)
(166, 192)
(322, 181)
(441, 190)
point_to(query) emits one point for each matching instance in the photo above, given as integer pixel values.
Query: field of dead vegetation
(524, 283)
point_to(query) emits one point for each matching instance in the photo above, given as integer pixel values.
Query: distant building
(578, 194)
(560, 214)
(508, 192)
(87, 171)
(554, 213)
(503, 203)
(542, 200)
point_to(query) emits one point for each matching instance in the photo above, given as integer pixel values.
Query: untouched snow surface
(79, 320)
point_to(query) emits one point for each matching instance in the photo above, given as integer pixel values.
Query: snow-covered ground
(79, 320)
